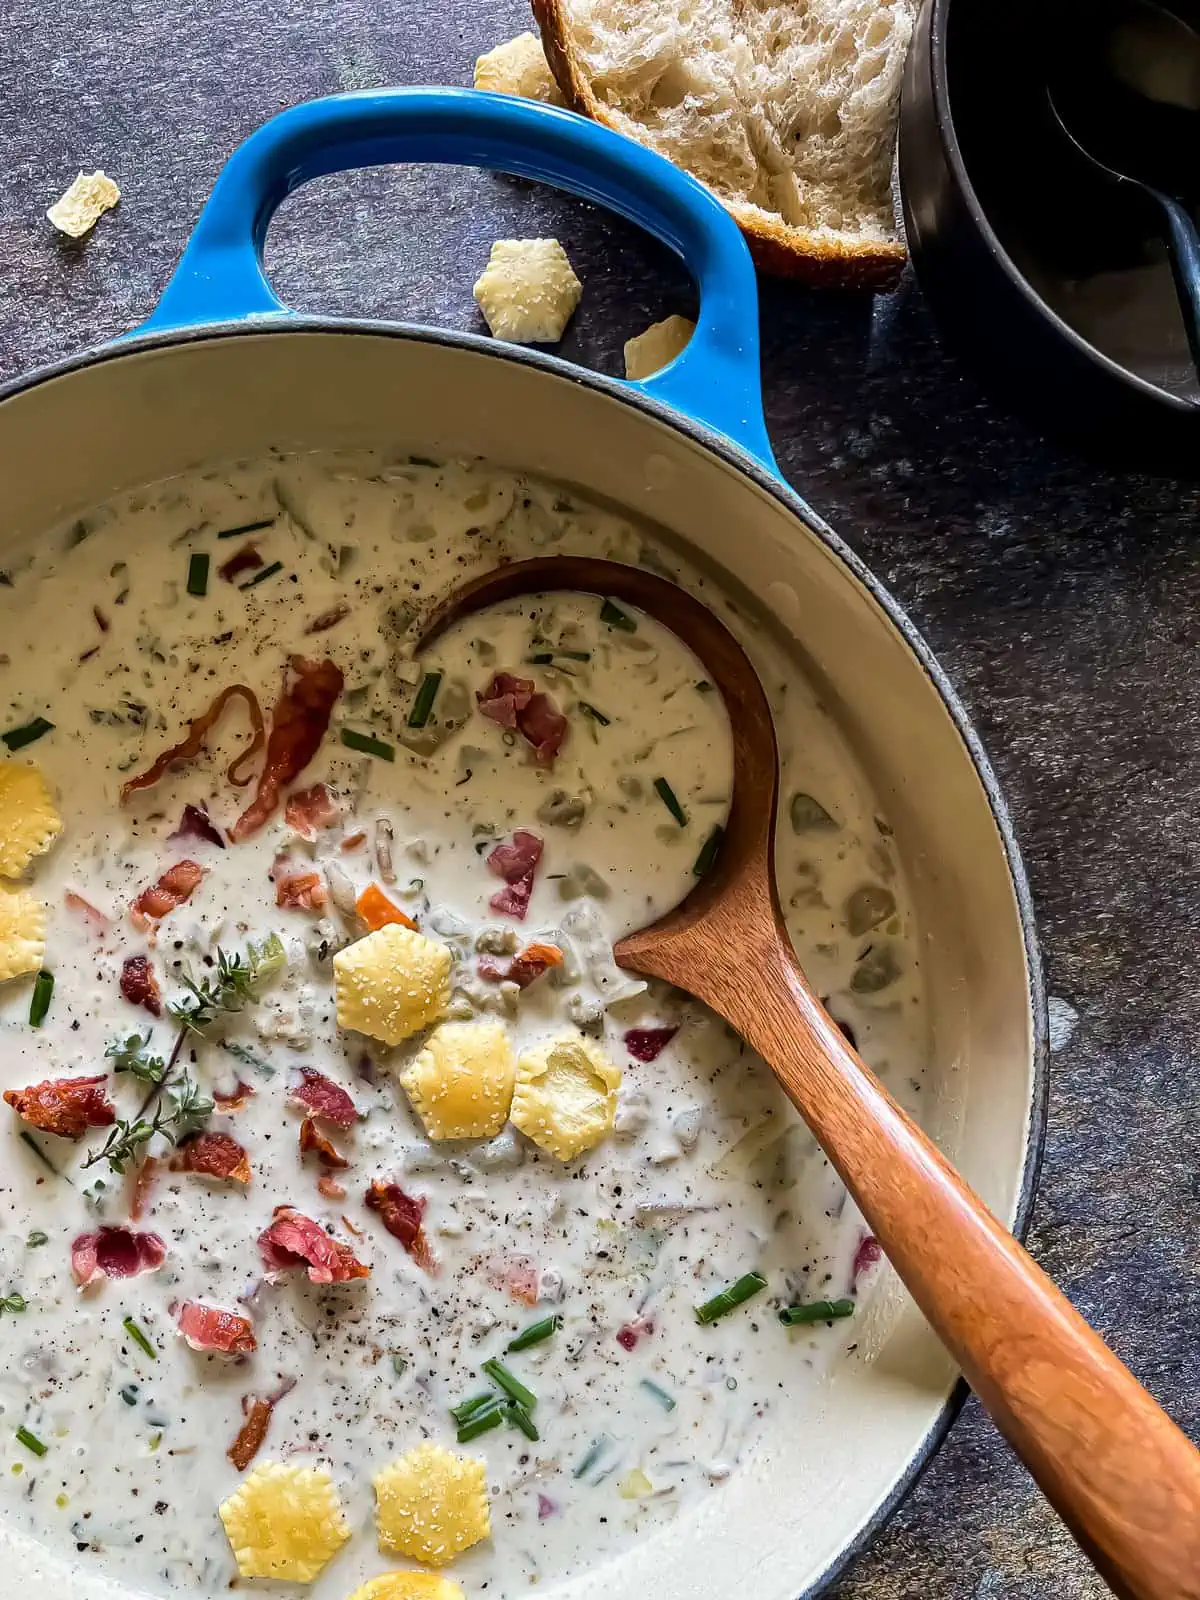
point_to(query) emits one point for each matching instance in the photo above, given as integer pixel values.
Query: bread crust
(817, 260)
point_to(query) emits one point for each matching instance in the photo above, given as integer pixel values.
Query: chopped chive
(129, 1393)
(708, 852)
(518, 1414)
(30, 1441)
(39, 1003)
(138, 1337)
(513, 1387)
(574, 655)
(423, 703)
(483, 1421)
(596, 715)
(36, 1238)
(594, 1451)
(399, 1365)
(246, 527)
(542, 659)
(534, 1334)
(546, 658)
(153, 1442)
(261, 577)
(616, 618)
(27, 1138)
(13, 1302)
(816, 1311)
(466, 1409)
(737, 1294)
(367, 745)
(197, 582)
(18, 738)
(667, 795)
(665, 1400)
(247, 1057)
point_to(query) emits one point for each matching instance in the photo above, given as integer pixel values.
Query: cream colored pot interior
(827, 1464)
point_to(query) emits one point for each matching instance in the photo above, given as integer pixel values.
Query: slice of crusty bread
(786, 110)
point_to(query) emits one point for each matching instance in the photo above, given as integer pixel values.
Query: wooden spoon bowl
(1124, 1478)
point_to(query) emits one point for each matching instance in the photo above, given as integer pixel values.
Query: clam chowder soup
(360, 1215)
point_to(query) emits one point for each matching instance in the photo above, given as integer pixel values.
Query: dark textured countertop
(1063, 600)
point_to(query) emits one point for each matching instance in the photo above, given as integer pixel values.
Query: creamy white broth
(708, 1174)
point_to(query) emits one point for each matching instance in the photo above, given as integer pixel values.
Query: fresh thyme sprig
(237, 982)
(181, 1109)
(132, 1055)
(175, 1106)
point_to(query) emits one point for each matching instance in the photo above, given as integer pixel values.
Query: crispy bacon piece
(300, 891)
(514, 703)
(647, 1044)
(294, 1240)
(524, 968)
(172, 889)
(192, 743)
(143, 1182)
(628, 1336)
(401, 1215)
(243, 560)
(865, 1257)
(517, 1276)
(67, 1107)
(214, 1331)
(235, 1098)
(543, 726)
(321, 1097)
(251, 1434)
(330, 1188)
(214, 1155)
(505, 697)
(313, 1141)
(328, 619)
(376, 911)
(531, 962)
(309, 810)
(197, 824)
(522, 1282)
(298, 723)
(516, 862)
(140, 986)
(115, 1253)
(76, 902)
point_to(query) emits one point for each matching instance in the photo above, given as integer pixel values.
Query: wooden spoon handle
(1123, 1477)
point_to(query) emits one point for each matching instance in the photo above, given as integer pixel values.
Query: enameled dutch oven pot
(1043, 276)
(223, 370)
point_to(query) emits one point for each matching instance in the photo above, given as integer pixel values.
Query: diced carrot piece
(375, 910)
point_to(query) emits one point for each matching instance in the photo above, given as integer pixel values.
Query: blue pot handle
(220, 277)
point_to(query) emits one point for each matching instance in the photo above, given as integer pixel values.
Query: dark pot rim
(936, 22)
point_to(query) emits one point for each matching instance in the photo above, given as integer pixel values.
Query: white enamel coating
(825, 1462)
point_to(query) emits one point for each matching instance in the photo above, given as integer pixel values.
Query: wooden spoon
(1119, 1472)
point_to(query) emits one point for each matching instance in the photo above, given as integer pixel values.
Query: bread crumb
(85, 202)
(528, 291)
(518, 67)
(657, 347)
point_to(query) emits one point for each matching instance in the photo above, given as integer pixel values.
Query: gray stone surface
(1063, 600)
